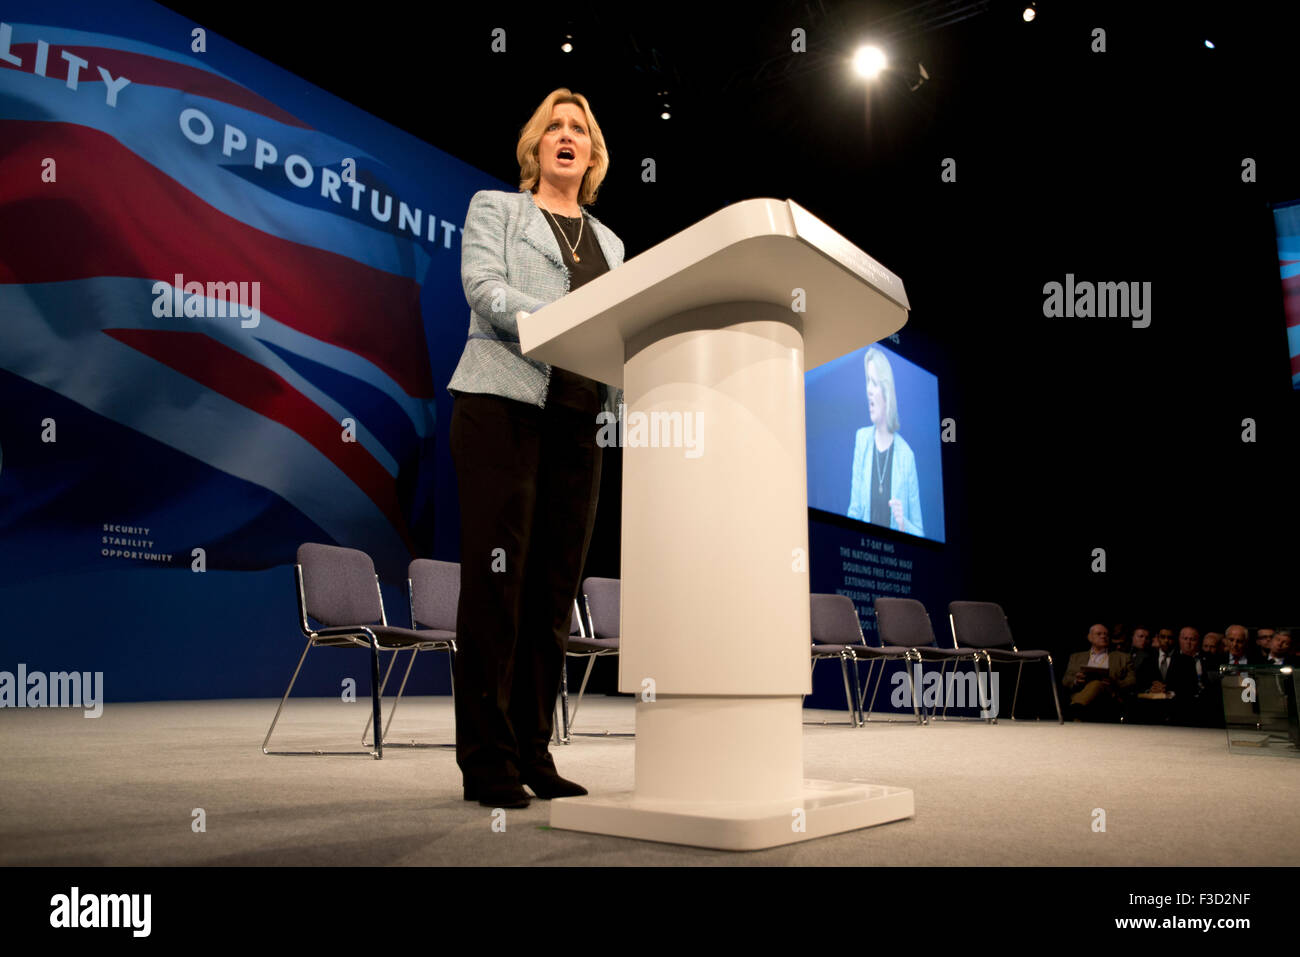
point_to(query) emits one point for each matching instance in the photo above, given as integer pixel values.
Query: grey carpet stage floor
(121, 789)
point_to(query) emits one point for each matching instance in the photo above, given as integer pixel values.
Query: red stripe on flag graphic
(148, 71)
(110, 213)
(243, 380)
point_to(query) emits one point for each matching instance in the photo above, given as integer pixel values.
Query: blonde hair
(886, 375)
(530, 167)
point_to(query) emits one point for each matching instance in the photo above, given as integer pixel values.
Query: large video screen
(873, 442)
(1286, 218)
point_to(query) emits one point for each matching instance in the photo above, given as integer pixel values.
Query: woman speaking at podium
(523, 440)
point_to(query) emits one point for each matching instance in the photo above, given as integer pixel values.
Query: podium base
(828, 807)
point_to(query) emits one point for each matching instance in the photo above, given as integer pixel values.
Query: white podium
(709, 334)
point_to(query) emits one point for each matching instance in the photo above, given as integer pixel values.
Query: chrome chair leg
(1051, 676)
(848, 697)
(374, 695)
(382, 685)
(857, 692)
(288, 690)
(400, 691)
(943, 691)
(863, 686)
(875, 690)
(984, 692)
(918, 693)
(1015, 697)
(566, 737)
(911, 685)
(979, 688)
(451, 668)
(591, 661)
(303, 658)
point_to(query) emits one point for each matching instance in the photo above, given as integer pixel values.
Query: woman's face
(875, 396)
(567, 130)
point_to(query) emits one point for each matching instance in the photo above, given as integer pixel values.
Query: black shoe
(547, 784)
(498, 795)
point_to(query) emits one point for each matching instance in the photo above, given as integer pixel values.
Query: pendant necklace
(573, 248)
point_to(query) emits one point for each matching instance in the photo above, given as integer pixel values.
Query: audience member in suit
(1198, 703)
(1189, 646)
(1264, 642)
(1119, 639)
(1210, 712)
(1167, 671)
(1141, 639)
(1234, 646)
(1098, 698)
(1280, 650)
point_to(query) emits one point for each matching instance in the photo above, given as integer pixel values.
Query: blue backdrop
(131, 438)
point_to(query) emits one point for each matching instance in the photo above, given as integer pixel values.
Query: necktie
(1164, 664)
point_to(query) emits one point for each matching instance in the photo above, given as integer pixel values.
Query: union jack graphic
(1287, 220)
(127, 161)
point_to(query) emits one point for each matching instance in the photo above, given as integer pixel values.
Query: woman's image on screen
(885, 489)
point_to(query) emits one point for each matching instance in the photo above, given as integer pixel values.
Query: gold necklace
(573, 248)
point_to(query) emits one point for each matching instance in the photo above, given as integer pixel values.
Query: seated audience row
(1163, 679)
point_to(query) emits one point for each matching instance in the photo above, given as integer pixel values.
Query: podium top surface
(757, 250)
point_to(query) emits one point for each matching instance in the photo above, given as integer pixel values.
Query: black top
(568, 389)
(882, 478)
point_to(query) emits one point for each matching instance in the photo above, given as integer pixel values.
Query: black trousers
(528, 480)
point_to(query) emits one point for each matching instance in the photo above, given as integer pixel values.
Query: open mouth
(564, 154)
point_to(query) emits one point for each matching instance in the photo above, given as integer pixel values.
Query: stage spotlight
(869, 61)
(922, 76)
(1209, 45)
(567, 45)
(1029, 13)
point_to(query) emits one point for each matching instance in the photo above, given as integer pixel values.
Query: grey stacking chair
(983, 625)
(601, 597)
(433, 591)
(338, 588)
(835, 627)
(903, 623)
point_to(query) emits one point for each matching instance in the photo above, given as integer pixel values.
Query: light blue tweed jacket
(903, 482)
(510, 260)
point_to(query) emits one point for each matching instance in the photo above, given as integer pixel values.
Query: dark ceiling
(750, 117)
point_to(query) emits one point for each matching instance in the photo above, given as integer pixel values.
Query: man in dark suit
(1166, 671)
(1196, 688)
(1234, 645)
(1263, 642)
(1280, 650)
(1209, 712)
(1141, 640)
